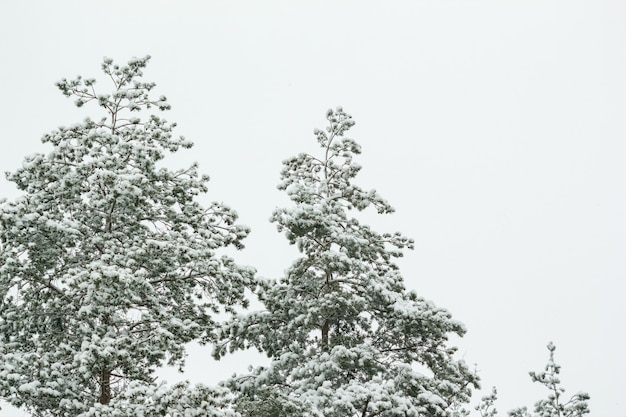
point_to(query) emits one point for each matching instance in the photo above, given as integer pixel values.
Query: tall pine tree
(344, 335)
(109, 265)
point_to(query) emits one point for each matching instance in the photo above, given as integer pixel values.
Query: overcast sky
(496, 128)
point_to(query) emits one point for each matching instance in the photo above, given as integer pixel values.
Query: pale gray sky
(496, 128)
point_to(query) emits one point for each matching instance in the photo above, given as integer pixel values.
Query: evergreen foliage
(344, 335)
(109, 265)
(552, 406)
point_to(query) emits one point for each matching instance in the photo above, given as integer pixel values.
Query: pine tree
(344, 335)
(554, 405)
(109, 265)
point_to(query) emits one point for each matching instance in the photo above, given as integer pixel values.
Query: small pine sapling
(555, 405)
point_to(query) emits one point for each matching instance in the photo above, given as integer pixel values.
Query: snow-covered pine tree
(109, 265)
(344, 335)
(554, 405)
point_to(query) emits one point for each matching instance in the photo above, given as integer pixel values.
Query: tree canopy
(109, 263)
(345, 337)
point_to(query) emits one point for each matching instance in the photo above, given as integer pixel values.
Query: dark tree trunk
(105, 387)
(325, 328)
(326, 325)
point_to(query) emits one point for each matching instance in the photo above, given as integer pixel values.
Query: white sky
(496, 128)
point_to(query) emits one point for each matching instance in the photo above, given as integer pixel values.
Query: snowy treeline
(109, 265)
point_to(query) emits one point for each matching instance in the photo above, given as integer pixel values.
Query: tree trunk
(105, 387)
(325, 328)
(326, 325)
